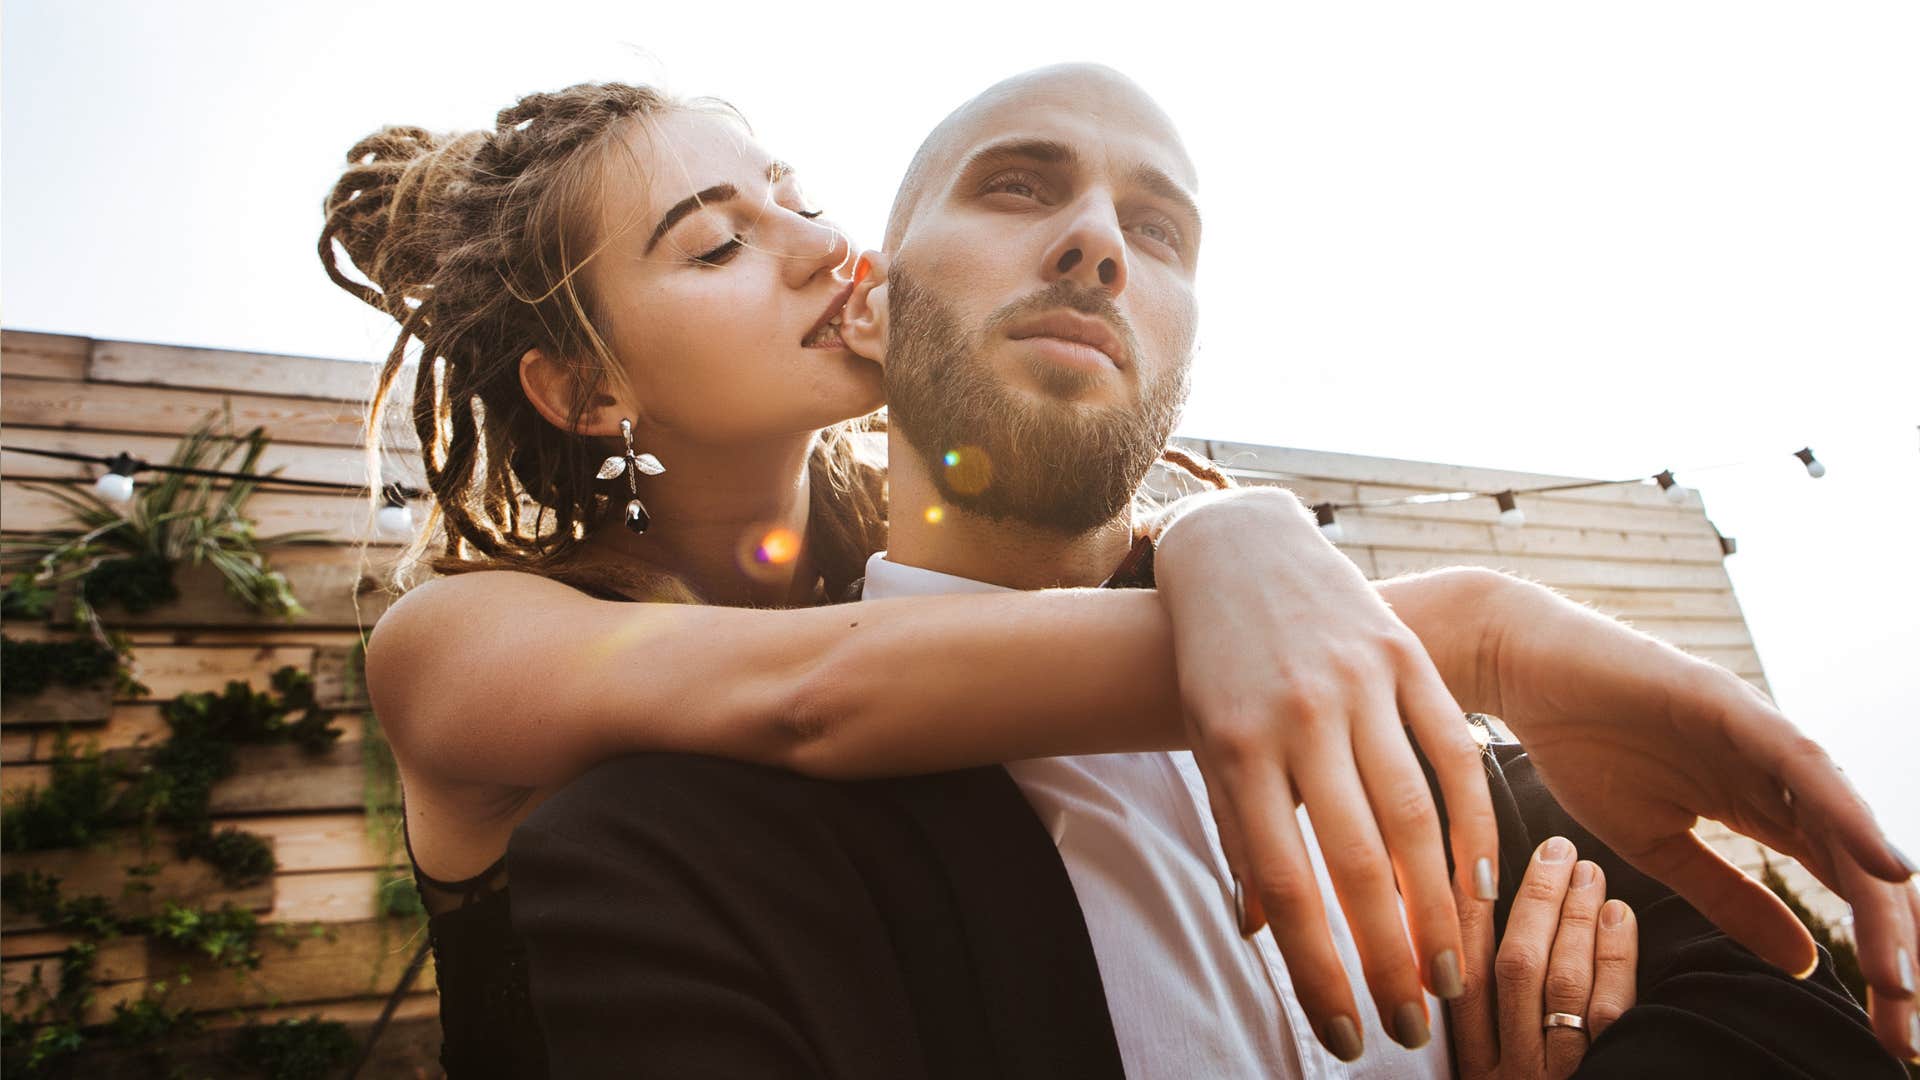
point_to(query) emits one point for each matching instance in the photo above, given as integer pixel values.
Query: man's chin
(1044, 383)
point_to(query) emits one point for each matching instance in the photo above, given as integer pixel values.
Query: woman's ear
(863, 323)
(552, 387)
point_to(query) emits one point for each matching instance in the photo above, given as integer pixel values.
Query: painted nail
(1905, 863)
(1343, 1039)
(1583, 874)
(1557, 850)
(1613, 913)
(1410, 1026)
(1904, 961)
(1446, 975)
(1240, 907)
(1483, 879)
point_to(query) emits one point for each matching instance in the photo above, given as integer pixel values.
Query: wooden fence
(1625, 549)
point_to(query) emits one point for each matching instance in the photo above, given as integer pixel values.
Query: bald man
(1060, 917)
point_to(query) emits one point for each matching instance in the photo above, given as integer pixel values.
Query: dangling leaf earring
(633, 465)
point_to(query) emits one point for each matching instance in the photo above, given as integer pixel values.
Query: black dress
(487, 1023)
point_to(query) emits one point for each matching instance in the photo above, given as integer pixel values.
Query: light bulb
(1329, 528)
(395, 519)
(1511, 515)
(1674, 492)
(114, 487)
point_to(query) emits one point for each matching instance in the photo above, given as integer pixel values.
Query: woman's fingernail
(1343, 1039)
(1557, 850)
(1905, 863)
(1410, 1025)
(1483, 879)
(1913, 1035)
(1613, 913)
(1584, 874)
(1904, 961)
(1446, 975)
(1240, 907)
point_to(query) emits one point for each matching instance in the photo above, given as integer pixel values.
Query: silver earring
(633, 465)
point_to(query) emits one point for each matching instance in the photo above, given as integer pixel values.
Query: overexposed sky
(1599, 240)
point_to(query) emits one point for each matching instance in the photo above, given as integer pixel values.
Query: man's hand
(1637, 740)
(1565, 951)
(1297, 680)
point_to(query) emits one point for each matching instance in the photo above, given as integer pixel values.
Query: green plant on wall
(90, 794)
(127, 555)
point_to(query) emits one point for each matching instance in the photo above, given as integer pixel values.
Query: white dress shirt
(1189, 997)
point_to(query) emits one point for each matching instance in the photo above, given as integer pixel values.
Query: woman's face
(713, 273)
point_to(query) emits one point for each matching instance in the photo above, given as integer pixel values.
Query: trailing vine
(88, 796)
(32, 666)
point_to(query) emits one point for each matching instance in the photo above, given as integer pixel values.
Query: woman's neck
(731, 523)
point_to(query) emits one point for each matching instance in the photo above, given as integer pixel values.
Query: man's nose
(1091, 250)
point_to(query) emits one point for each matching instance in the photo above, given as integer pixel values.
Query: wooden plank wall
(1625, 549)
(70, 393)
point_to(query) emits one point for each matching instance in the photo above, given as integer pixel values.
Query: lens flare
(969, 469)
(777, 548)
(935, 515)
(764, 552)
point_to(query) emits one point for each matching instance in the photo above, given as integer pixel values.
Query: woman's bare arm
(511, 679)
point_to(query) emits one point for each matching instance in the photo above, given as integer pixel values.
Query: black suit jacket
(689, 917)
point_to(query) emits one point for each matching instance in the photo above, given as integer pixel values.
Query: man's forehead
(1099, 108)
(1094, 118)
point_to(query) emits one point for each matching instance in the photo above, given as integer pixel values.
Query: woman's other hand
(1637, 740)
(1299, 684)
(1565, 952)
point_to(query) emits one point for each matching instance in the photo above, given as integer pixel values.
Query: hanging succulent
(127, 555)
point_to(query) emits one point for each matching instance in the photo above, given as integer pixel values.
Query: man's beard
(1059, 465)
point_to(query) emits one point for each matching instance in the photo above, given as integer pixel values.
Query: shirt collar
(886, 579)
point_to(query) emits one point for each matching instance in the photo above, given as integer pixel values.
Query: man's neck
(1008, 553)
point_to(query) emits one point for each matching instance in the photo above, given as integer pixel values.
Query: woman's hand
(1637, 739)
(1564, 952)
(1296, 680)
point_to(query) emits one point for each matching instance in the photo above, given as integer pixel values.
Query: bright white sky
(1594, 239)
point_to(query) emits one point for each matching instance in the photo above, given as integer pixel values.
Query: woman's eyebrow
(715, 194)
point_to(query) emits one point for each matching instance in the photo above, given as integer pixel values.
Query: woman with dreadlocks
(641, 432)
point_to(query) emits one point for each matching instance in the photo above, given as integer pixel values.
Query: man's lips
(1075, 327)
(834, 307)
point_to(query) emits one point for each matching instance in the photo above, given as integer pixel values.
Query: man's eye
(720, 254)
(1024, 185)
(809, 214)
(1160, 232)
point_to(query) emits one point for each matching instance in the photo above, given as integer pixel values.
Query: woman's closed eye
(728, 250)
(721, 254)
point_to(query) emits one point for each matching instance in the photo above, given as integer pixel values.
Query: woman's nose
(818, 247)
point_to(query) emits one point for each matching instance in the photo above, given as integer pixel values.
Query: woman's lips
(834, 307)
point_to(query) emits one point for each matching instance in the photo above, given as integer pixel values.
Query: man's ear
(863, 323)
(552, 387)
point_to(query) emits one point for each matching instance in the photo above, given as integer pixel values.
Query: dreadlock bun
(385, 211)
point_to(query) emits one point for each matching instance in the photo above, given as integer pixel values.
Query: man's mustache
(1065, 293)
